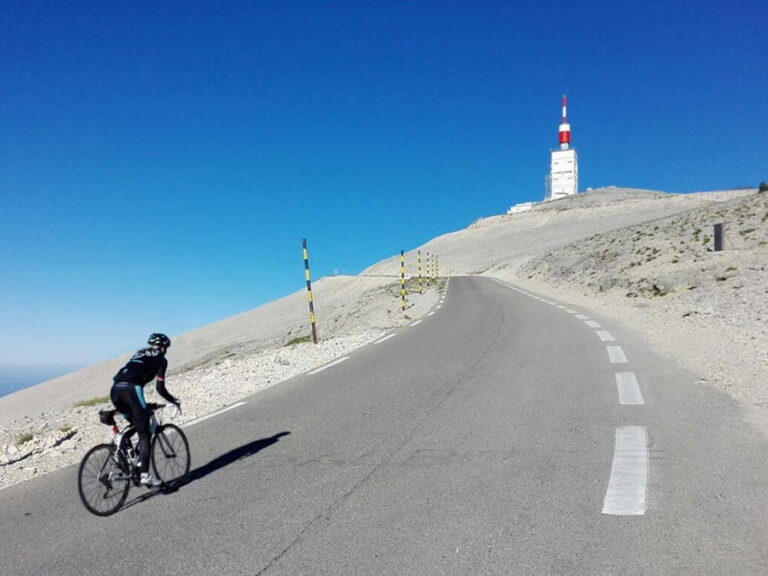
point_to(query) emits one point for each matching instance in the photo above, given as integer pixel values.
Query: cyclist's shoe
(149, 481)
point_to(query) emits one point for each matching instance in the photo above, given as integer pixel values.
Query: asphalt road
(483, 440)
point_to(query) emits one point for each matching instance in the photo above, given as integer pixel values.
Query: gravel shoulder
(647, 259)
(642, 257)
(214, 366)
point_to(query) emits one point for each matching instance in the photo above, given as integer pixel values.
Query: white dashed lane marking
(202, 418)
(629, 389)
(616, 355)
(416, 323)
(334, 363)
(627, 487)
(629, 473)
(431, 314)
(380, 340)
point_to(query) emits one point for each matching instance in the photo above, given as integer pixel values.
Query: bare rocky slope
(641, 257)
(645, 258)
(344, 306)
(44, 428)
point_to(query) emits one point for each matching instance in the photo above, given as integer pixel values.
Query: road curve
(503, 434)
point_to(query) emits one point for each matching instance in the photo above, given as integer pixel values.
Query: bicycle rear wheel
(170, 453)
(102, 483)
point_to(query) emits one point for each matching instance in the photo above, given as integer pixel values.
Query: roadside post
(309, 292)
(719, 236)
(433, 269)
(402, 280)
(420, 289)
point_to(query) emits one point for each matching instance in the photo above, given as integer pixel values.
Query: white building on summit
(563, 178)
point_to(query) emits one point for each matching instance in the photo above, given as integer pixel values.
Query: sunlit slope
(508, 241)
(340, 306)
(549, 243)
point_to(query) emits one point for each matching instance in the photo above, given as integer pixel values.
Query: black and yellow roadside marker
(428, 271)
(402, 279)
(309, 292)
(432, 269)
(420, 290)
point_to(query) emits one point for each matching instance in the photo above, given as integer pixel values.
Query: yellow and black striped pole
(420, 290)
(431, 268)
(402, 279)
(427, 270)
(437, 267)
(309, 292)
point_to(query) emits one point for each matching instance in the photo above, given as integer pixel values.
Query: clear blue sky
(160, 162)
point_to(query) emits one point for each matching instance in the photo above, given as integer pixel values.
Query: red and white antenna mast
(565, 128)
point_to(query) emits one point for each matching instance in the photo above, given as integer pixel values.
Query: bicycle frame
(108, 469)
(122, 437)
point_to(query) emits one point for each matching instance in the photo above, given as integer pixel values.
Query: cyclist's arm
(160, 382)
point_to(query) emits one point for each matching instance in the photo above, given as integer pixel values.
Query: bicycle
(107, 470)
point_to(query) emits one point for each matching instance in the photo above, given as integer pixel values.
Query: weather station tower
(563, 178)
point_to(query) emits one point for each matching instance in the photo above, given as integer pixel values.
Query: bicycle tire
(170, 453)
(102, 484)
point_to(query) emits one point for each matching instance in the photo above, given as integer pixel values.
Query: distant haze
(14, 378)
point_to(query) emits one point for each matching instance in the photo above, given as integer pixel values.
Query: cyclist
(127, 394)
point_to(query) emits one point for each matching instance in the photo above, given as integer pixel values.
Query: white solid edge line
(605, 336)
(616, 355)
(592, 324)
(629, 389)
(626, 493)
(582, 317)
(571, 311)
(212, 414)
(380, 340)
(338, 361)
(416, 323)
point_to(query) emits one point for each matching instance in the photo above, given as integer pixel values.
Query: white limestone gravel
(235, 358)
(641, 257)
(646, 259)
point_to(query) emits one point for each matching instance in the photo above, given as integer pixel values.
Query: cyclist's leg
(121, 398)
(140, 421)
(129, 399)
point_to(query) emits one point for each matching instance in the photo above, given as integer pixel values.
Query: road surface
(502, 434)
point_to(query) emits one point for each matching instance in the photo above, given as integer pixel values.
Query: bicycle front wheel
(103, 484)
(170, 453)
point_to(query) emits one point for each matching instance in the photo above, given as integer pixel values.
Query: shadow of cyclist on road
(225, 460)
(217, 463)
